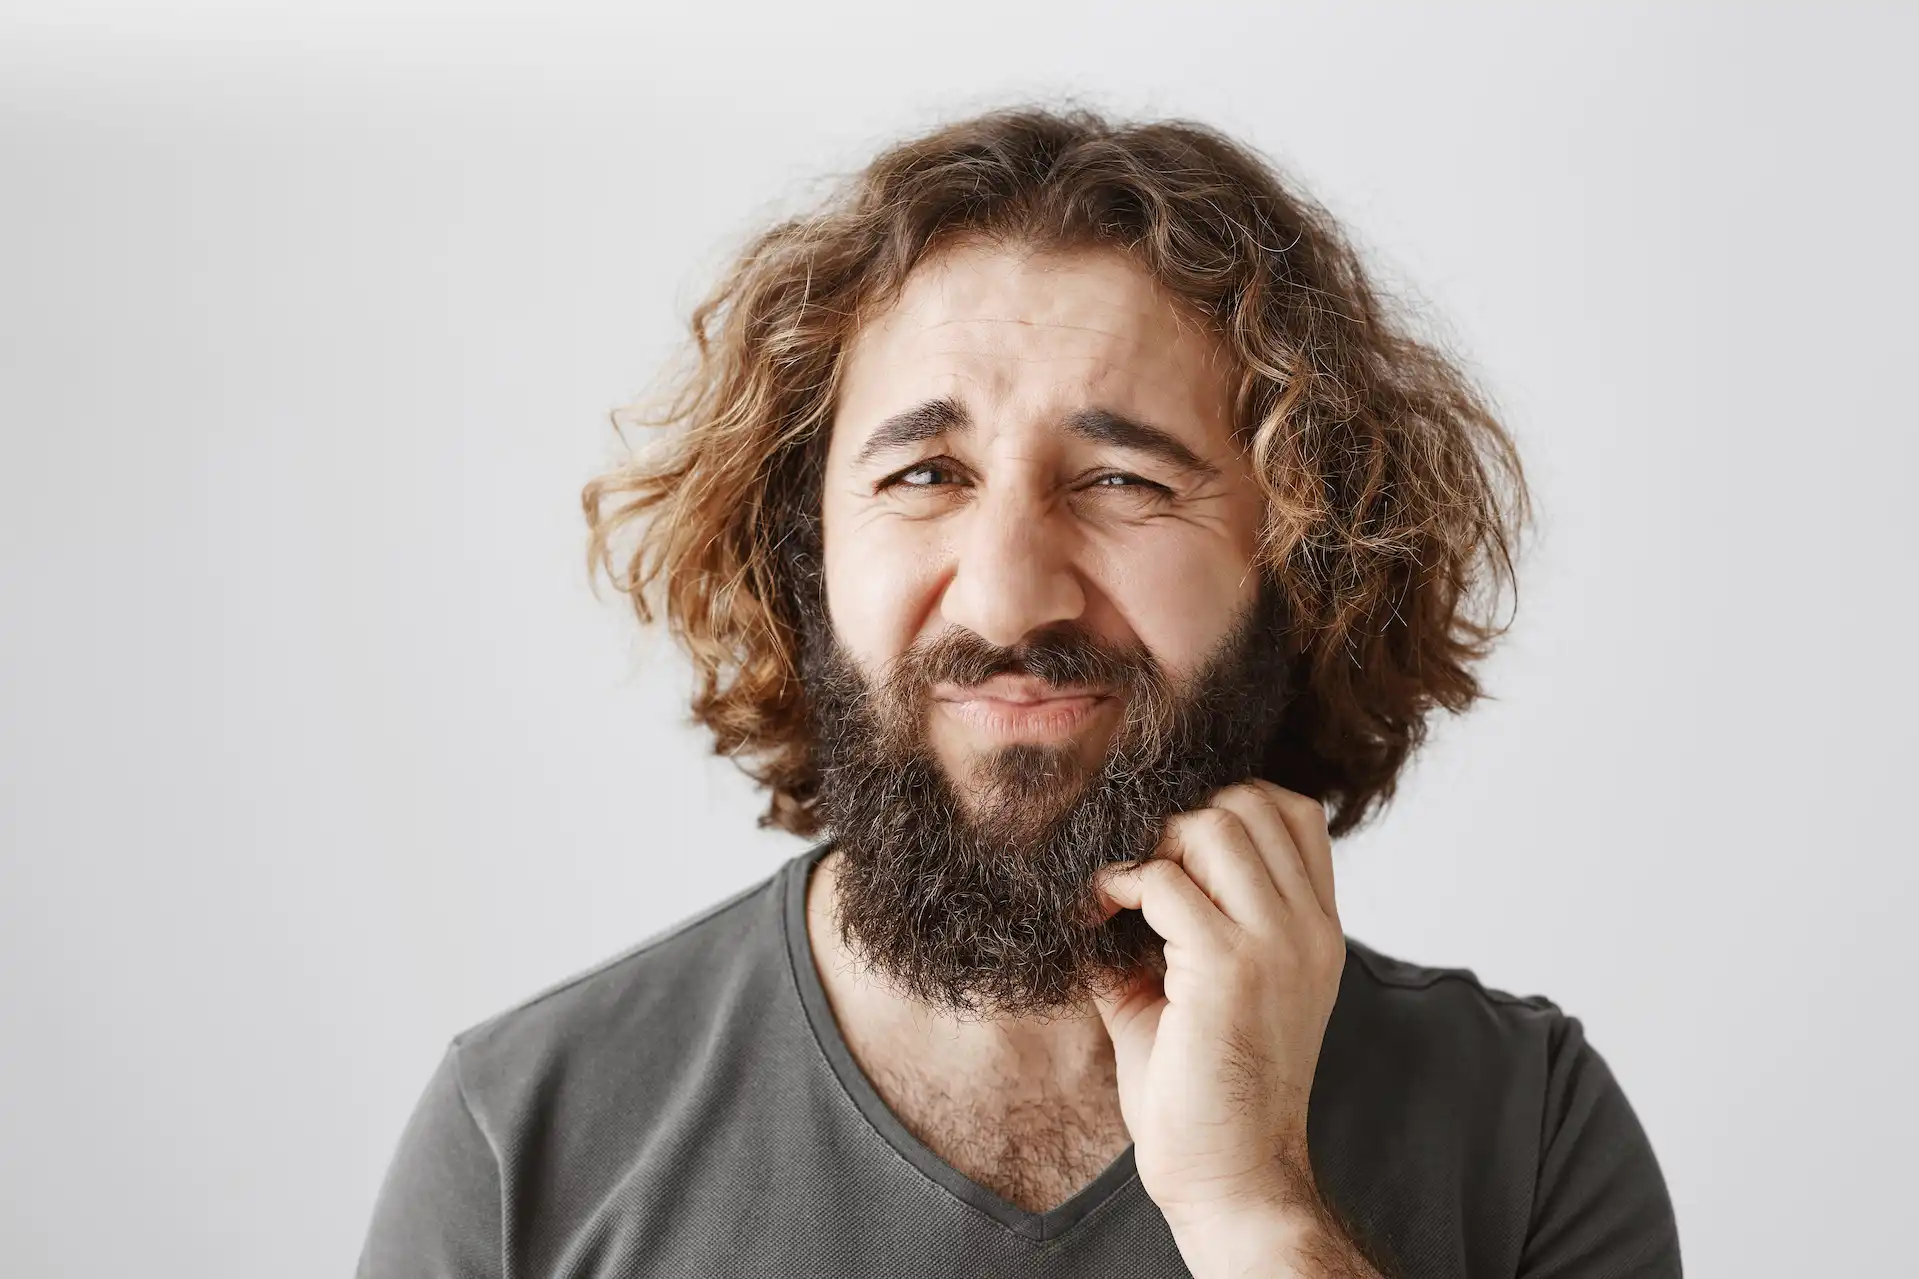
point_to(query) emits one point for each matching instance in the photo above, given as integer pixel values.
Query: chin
(976, 766)
(1022, 786)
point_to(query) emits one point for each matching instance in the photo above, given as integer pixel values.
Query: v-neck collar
(1036, 1226)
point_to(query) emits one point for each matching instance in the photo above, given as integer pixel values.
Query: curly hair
(1394, 498)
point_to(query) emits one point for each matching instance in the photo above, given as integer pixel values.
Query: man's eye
(941, 474)
(924, 475)
(1121, 480)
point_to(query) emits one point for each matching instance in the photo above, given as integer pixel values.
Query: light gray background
(315, 747)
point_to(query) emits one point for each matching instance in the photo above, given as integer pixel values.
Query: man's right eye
(921, 475)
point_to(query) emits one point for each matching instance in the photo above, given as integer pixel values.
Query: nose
(1013, 571)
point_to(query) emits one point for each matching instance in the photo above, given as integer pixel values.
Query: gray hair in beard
(989, 910)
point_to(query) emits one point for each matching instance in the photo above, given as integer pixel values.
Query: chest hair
(1032, 1146)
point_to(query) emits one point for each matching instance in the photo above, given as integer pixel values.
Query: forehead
(1010, 330)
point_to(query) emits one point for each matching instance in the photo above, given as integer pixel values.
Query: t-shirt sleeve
(438, 1211)
(1601, 1209)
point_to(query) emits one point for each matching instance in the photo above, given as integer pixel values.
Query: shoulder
(1440, 1042)
(1397, 996)
(556, 1091)
(630, 1016)
(1492, 1102)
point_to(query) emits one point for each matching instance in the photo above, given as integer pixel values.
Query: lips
(1015, 690)
(1021, 709)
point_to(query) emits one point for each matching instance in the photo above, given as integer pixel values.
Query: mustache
(1064, 654)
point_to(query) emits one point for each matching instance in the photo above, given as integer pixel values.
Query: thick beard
(988, 909)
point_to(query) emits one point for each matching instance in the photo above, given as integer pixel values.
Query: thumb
(1130, 1012)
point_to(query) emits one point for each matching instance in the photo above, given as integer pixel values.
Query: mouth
(1018, 708)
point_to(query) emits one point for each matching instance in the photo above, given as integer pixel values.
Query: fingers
(1255, 851)
(1131, 1014)
(1222, 855)
(1133, 1006)
(1289, 833)
(1174, 906)
(1306, 819)
(1272, 840)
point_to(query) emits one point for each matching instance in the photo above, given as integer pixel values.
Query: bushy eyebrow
(1106, 427)
(947, 416)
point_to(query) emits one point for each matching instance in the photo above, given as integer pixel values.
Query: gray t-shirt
(690, 1108)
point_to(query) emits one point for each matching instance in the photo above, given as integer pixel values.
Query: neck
(1065, 1055)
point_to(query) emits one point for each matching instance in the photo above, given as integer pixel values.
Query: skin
(1018, 523)
(1017, 520)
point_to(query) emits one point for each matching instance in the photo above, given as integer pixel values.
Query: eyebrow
(935, 417)
(947, 416)
(1106, 427)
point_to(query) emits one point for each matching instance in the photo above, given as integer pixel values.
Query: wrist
(1267, 1238)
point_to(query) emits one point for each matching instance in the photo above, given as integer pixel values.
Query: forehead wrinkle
(1031, 324)
(1141, 337)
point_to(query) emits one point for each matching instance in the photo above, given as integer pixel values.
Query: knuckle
(1180, 825)
(1252, 789)
(1285, 805)
(1304, 807)
(1329, 948)
(1215, 821)
(1159, 871)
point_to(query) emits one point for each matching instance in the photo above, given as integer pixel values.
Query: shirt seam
(1434, 976)
(492, 1146)
(634, 951)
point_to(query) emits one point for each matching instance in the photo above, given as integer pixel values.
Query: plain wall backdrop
(316, 748)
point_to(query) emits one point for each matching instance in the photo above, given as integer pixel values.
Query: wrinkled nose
(1013, 571)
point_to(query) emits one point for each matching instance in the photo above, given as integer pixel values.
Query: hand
(1216, 1059)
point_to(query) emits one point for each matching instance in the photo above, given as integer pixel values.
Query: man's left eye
(1120, 479)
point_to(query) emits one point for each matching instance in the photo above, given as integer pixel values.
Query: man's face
(1026, 440)
(1046, 632)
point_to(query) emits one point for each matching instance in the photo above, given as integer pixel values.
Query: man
(1059, 523)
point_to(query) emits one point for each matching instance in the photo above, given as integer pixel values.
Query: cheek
(880, 585)
(1180, 603)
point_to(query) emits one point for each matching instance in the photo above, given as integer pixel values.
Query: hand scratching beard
(987, 908)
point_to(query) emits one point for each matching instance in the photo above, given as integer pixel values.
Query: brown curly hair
(1395, 498)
